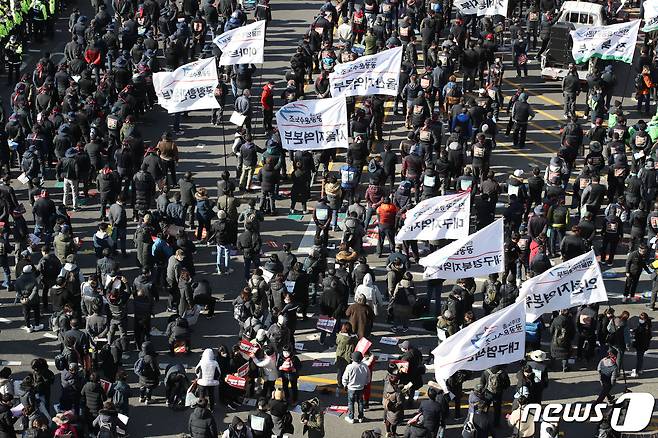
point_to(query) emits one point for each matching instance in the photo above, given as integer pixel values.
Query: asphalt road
(202, 149)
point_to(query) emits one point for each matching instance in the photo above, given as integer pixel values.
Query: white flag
(313, 124)
(477, 255)
(440, 217)
(467, 7)
(244, 45)
(189, 87)
(650, 15)
(492, 7)
(572, 283)
(498, 338)
(615, 42)
(368, 75)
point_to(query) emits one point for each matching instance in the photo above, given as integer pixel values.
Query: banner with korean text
(440, 217)
(368, 75)
(314, 124)
(650, 15)
(482, 253)
(190, 87)
(572, 283)
(615, 42)
(492, 7)
(498, 338)
(244, 45)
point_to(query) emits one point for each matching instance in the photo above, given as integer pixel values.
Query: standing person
(201, 423)
(148, 372)
(27, 292)
(562, 334)
(386, 214)
(644, 86)
(346, 341)
(570, 91)
(635, 263)
(187, 190)
(355, 378)
(118, 218)
(289, 366)
(608, 370)
(521, 114)
(360, 316)
(641, 340)
(495, 381)
(208, 374)
(267, 101)
(168, 152)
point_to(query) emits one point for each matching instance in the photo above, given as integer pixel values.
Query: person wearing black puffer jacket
(269, 180)
(202, 423)
(92, 397)
(109, 184)
(149, 377)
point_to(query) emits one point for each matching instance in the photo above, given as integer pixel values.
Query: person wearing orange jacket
(267, 100)
(644, 85)
(386, 214)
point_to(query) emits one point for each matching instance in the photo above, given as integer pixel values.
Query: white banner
(467, 7)
(650, 15)
(440, 217)
(368, 75)
(615, 42)
(477, 255)
(313, 124)
(495, 339)
(572, 283)
(492, 7)
(482, 7)
(244, 45)
(189, 87)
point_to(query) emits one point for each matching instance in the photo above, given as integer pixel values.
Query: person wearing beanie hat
(27, 292)
(355, 378)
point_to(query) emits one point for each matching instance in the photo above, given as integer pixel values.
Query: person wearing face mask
(641, 341)
(289, 365)
(237, 429)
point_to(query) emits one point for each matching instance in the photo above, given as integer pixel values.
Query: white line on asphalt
(5, 320)
(306, 243)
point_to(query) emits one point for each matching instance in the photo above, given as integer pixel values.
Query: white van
(582, 14)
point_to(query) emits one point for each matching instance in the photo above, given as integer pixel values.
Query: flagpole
(224, 145)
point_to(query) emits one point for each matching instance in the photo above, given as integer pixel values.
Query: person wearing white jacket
(370, 290)
(267, 362)
(208, 373)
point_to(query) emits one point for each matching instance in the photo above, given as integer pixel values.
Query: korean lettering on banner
(326, 324)
(247, 348)
(189, 87)
(570, 287)
(236, 381)
(492, 7)
(314, 124)
(371, 74)
(491, 349)
(468, 7)
(363, 346)
(485, 261)
(243, 370)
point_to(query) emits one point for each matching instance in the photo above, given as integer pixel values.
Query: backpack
(452, 95)
(240, 312)
(54, 322)
(107, 429)
(139, 366)
(495, 384)
(560, 337)
(639, 82)
(61, 362)
(491, 294)
(28, 159)
(469, 430)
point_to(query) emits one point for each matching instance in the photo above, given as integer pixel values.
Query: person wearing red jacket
(267, 100)
(386, 214)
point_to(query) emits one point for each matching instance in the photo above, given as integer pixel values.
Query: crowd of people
(78, 122)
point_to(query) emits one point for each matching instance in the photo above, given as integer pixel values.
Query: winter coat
(144, 190)
(370, 290)
(151, 375)
(361, 316)
(202, 423)
(345, 344)
(562, 350)
(207, 370)
(301, 186)
(92, 398)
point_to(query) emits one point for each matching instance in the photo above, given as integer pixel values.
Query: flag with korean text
(244, 45)
(615, 42)
(313, 124)
(368, 75)
(477, 255)
(572, 283)
(440, 217)
(190, 87)
(498, 338)
(650, 15)
(490, 8)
